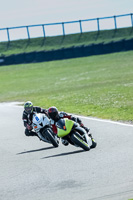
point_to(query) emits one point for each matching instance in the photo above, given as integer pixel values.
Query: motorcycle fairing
(39, 120)
(64, 127)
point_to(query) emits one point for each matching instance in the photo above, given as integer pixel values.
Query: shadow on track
(64, 154)
(31, 151)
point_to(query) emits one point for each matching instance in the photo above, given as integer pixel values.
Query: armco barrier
(78, 52)
(108, 48)
(66, 53)
(39, 56)
(30, 57)
(1, 60)
(128, 44)
(20, 58)
(118, 45)
(58, 54)
(9, 60)
(88, 50)
(49, 55)
(98, 49)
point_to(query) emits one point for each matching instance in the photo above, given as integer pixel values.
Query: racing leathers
(27, 119)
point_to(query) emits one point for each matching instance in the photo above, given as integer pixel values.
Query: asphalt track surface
(34, 170)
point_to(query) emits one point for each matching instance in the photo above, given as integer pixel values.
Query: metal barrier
(67, 53)
(64, 23)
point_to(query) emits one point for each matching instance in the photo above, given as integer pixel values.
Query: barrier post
(98, 25)
(43, 30)
(63, 28)
(115, 22)
(8, 36)
(28, 32)
(80, 26)
(132, 19)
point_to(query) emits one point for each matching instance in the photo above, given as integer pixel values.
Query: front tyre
(51, 138)
(78, 140)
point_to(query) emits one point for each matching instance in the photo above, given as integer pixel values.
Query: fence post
(115, 22)
(80, 26)
(8, 36)
(28, 32)
(43, 30)
(63, 28)
(98, 25)
(132, 19)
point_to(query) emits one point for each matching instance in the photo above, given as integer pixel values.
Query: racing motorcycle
(42, 127)
(74, 134)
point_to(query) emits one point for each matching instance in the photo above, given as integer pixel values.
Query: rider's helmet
(28, 107)
(53, 113)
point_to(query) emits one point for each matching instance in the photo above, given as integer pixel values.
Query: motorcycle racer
(28, 112)
(55, 116)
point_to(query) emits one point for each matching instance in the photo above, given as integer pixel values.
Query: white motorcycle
(42, 127)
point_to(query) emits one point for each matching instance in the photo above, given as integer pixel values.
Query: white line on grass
(106, 121)
(83, 117)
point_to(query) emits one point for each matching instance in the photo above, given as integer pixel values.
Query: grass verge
(98, 86)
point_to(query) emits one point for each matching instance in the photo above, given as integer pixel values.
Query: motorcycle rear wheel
(78, 140)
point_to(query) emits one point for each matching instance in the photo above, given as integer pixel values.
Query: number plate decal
(37, 119)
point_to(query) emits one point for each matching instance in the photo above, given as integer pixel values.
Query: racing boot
(64, 142)
(87, 129)
(30, 133)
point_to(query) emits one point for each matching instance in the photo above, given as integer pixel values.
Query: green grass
(58, 42)
(98, 86)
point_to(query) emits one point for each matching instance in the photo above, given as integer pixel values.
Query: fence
(62, 24)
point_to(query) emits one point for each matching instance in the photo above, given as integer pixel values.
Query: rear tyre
(51, 138)
(78, 140)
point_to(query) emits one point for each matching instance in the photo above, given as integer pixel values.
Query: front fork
(84, 135)
(88, 139)
(42, 138)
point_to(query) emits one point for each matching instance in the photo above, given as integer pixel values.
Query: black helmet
(28, 107)
(53, 113)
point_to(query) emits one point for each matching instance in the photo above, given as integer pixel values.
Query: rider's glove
(62, 114)
(74, 119)
(79, 120)
(29, 127)
(45, 111)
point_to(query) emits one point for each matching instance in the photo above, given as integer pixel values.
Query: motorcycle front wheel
(51, 138)
(78, 140)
